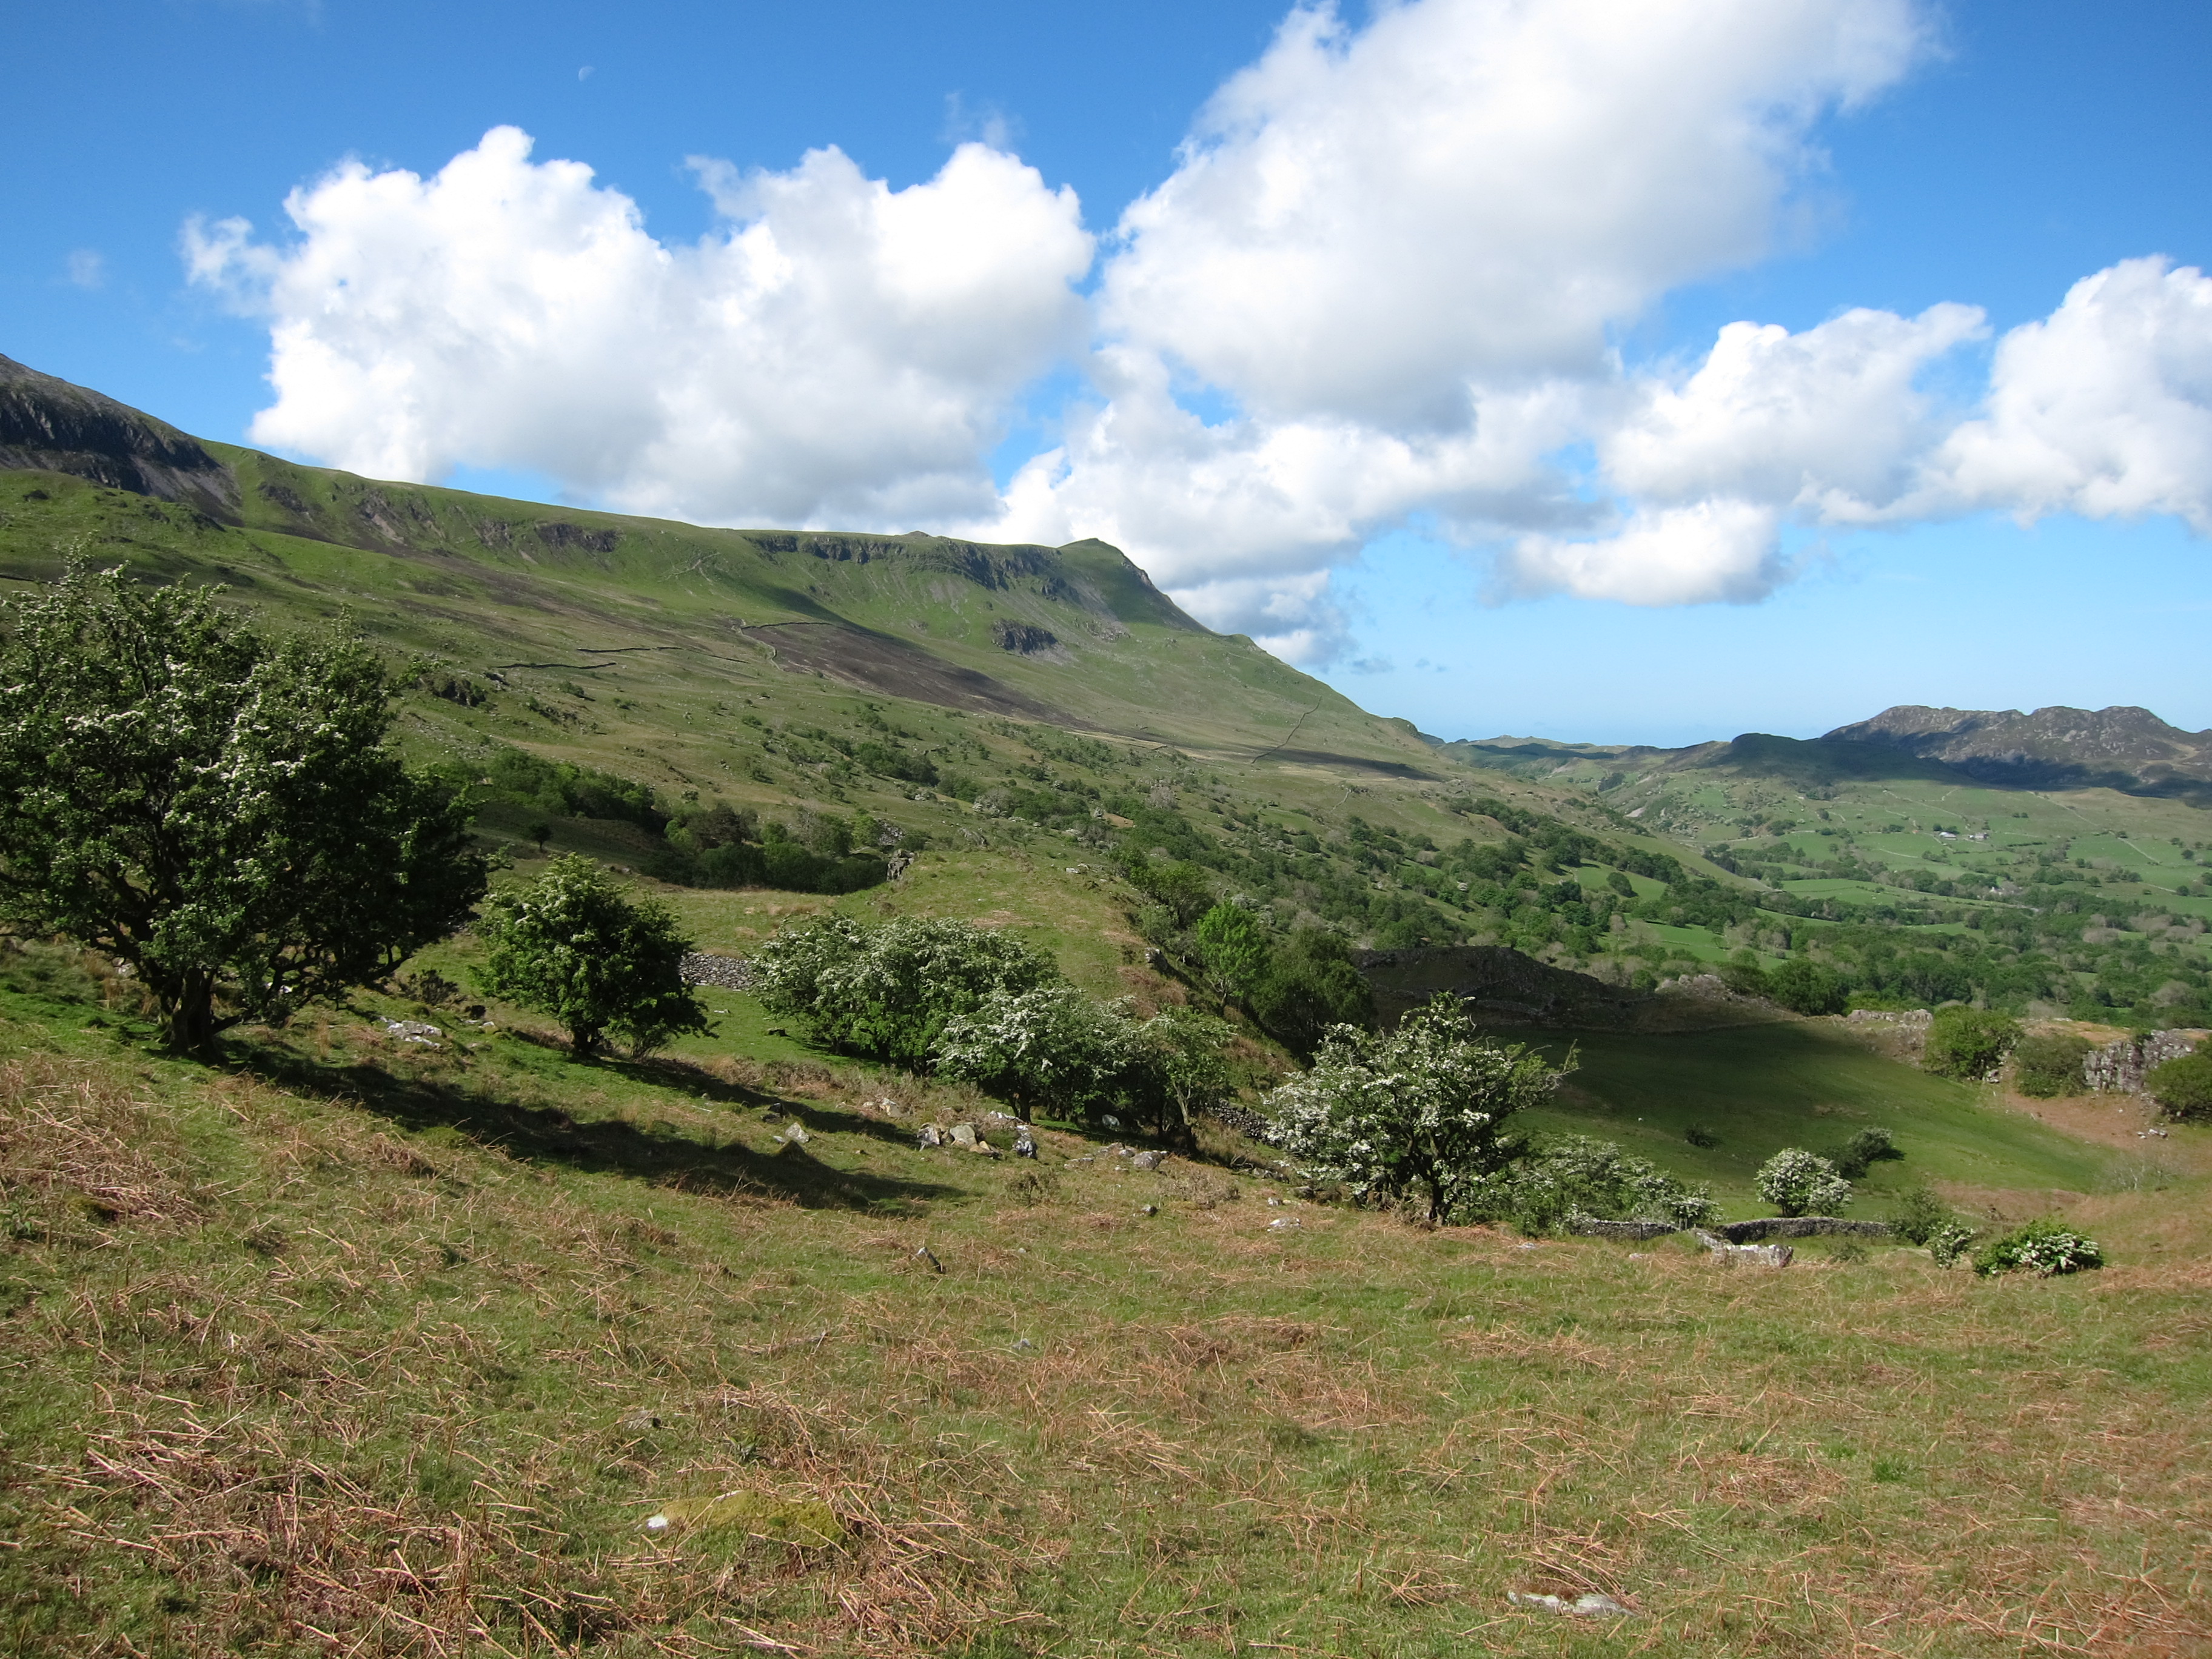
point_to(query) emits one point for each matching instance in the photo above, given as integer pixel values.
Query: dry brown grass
(318, 1385)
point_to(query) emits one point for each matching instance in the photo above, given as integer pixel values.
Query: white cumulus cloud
(1396, 253)
(838, 351)
(2103, 408)
(1714, 550)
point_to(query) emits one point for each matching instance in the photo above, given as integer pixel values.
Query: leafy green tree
(573, 945)
(1310, 987)
(1968, 1042)
(2183, 1087)
(216, 809)
(1805, 986)
(1181, 1067)
(1233, 944)
(1181, 888)
(1049, 1047)
(1798, 1182)
(887, 992)
(1420, 1110)
(2048, 1065)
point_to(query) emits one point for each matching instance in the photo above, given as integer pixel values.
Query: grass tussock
(365, 1353)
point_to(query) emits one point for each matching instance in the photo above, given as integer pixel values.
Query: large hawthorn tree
(216, 808)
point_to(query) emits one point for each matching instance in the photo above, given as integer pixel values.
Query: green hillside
(1026, 688)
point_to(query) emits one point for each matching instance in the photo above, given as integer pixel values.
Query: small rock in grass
(1283, 1223)
(1024, 1141)
(929, 1137)
(1148, 1160)
(795, 1134)
(1750, 1255)
(1592, 1606)
(1150, 1209)
(963, 1134)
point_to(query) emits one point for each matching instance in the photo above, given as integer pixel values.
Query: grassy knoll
(355, 1346)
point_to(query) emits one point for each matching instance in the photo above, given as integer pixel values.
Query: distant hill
(2125, 747)
(2055, 747)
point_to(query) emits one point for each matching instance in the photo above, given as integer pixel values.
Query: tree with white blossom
(1419, 1112)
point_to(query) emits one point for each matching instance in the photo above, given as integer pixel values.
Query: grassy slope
(367, 1348)
(1760, 1088)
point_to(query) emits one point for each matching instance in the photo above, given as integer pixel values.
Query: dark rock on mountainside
(52, 426)
(2055, 747)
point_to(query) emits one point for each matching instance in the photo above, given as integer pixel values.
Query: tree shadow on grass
(687, 1076)
(610, 1146)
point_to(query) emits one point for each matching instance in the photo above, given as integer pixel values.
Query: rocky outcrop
(2118, 1068)
(1799, 1226)
(1635, 1231)
(51, 426)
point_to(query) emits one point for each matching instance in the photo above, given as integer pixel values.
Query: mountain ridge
(53, 425)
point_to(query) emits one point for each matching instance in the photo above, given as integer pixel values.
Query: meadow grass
(352, 1346)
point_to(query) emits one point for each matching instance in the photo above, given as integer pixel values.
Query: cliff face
(50, 425)
(2122, 747)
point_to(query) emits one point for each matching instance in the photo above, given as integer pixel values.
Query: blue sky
(1305, 447)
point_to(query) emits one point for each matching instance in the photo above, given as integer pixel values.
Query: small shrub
(1698, 1135)
(2042, 1248)
(1807, 988)
(2048, 1066)
(1919, 1214)
(1577, 1176)
(1948, 1241)
(1863, 1150)
(1968, 1042)
(1798, 1183)
(2183, 1087)
(574, 945)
